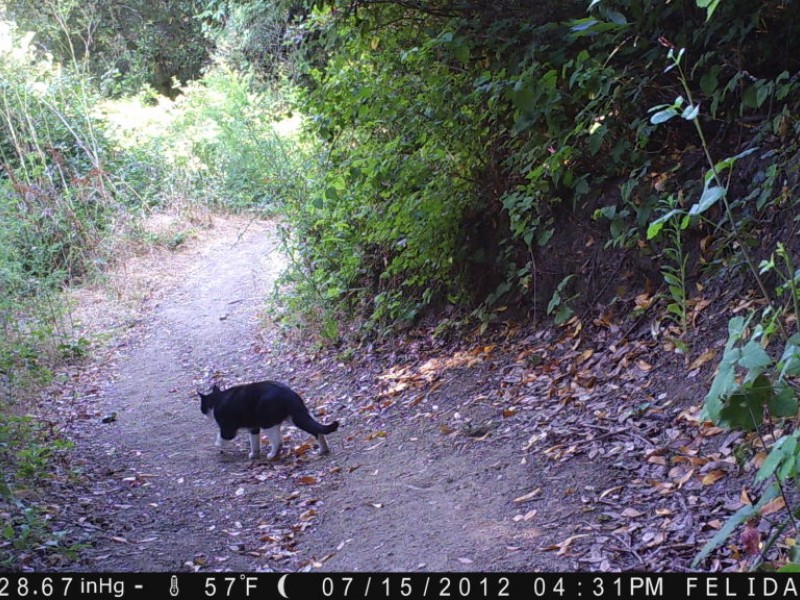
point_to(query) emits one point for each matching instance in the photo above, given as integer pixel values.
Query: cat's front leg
(221, 443)
(224, 438)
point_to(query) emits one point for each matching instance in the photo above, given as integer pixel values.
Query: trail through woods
(529, 452)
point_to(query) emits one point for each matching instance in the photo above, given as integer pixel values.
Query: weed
(31, 455)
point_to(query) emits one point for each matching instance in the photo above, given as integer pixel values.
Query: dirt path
(162, 498)
(534, 452)
(395, 494)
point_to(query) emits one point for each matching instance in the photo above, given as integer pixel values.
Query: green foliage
(31, 455)
(674, 270)
(231, 149)
(125, 45)
(250, 37)
(458, 139)
(405, 137)
(559, 306)
(66, 188)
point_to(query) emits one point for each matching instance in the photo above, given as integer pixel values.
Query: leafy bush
(460, 140)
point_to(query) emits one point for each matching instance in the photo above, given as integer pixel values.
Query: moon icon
(282, 586)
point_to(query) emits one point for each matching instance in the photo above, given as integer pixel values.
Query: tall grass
(65, 188)
(53, 199)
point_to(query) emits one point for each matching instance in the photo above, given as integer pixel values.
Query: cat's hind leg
(255, 443)
(275, 441)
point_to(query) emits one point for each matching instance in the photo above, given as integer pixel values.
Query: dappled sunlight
(132, 121)
(289, 127)
(400, 378)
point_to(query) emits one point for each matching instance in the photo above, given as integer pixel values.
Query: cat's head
(207, 401)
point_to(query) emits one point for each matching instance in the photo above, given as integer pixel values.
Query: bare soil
(522, 450)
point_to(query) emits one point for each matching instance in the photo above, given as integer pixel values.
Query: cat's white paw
(254, 455)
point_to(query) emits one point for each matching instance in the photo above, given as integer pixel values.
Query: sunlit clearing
(289, 127)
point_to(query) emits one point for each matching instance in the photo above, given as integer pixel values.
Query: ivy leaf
(462, 53)
(789, 362)
(616, 17)
(754, 357)
(726, 163)
(724, 383)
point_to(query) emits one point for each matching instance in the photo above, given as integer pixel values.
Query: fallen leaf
(631, 513)
(644, 365)
(702, 359)
(682, 481)
(564, 546)
(465, 561)
(529, 496)
(611, 491)
(714, 476)
(643, 301)
(240, 491)
(303, 449)
(308, 515)
(307, 480)
(772, 507)
(526, 517)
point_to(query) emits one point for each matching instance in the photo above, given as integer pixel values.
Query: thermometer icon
(173, 586)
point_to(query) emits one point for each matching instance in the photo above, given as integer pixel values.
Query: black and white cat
(261, 405)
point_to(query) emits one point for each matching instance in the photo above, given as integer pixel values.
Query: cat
(262, 404)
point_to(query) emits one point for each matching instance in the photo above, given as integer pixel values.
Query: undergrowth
(33, 456)
(456, 146)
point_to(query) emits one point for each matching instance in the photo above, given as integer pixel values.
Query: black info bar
(396, 586)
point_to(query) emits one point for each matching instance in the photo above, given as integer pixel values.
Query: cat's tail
(307, 423)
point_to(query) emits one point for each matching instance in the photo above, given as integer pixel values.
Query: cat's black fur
(261, 405)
